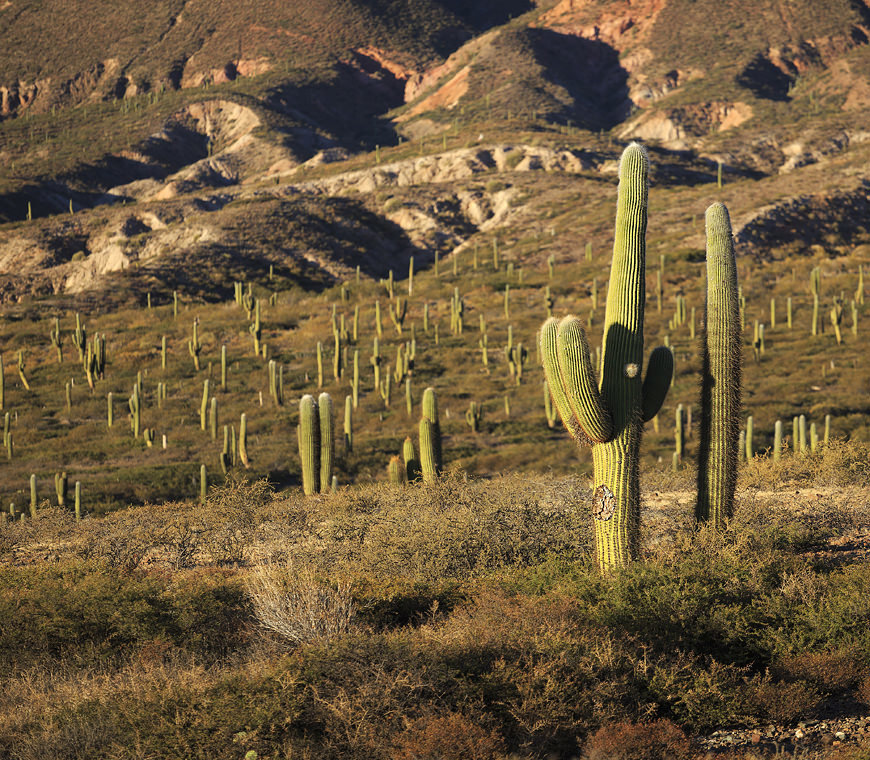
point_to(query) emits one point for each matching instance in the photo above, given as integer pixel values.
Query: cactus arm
(575, 367)
(550, 359)
(659, 371)
(720, 381)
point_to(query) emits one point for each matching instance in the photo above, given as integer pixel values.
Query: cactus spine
(610, 415)
(720, 381)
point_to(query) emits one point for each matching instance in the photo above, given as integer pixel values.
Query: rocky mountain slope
(327, 135)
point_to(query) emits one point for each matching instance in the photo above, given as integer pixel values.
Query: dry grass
(293, 603)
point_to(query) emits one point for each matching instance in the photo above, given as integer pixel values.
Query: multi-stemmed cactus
(473, 415)
(194, 346)
(316, 443)
(720, 378)
(609, 414)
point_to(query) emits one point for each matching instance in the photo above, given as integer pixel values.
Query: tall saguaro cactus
(720, 381)
(609, 414)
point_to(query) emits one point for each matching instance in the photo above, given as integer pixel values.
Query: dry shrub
(833, 672)
(838, 463)
(453, 528)
(295, 604)
(659, 740)
(863, 691)
(779, 701)
(452, 736)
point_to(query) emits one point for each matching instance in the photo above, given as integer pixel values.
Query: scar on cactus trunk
(720, 378)
(609, 414)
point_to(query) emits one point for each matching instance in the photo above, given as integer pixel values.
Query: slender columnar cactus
(135, 411)
(720, 379)
(337, 364)
(355, 382)
(430, 437)
(308, 433)
(33, 498)
(679, 432)
(255, 328)
(376, 363)
(194, 346)
(802, 434)
(409, 398)
(327, 440)
(243, 441)
(777, 441)
(61, 484)
(348, 424)
(409, 456)
(2, 385)
(836, 315)
(78, 500)
(203, 406)
(411, 276)
(398, 311)
(213, 417)
(319, 364)
(79, 338)
(827, 437)
(473, 415)
(223, 368)
(203, 484)
(750, 445)
(57, 339)
(610, 415)
(21, 370)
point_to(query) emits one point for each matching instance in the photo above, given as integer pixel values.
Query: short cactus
(326, 420)
(473, 415)
(308, 433)
(430, 438)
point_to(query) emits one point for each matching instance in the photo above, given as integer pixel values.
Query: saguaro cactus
(609, 415)
(720, 380)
